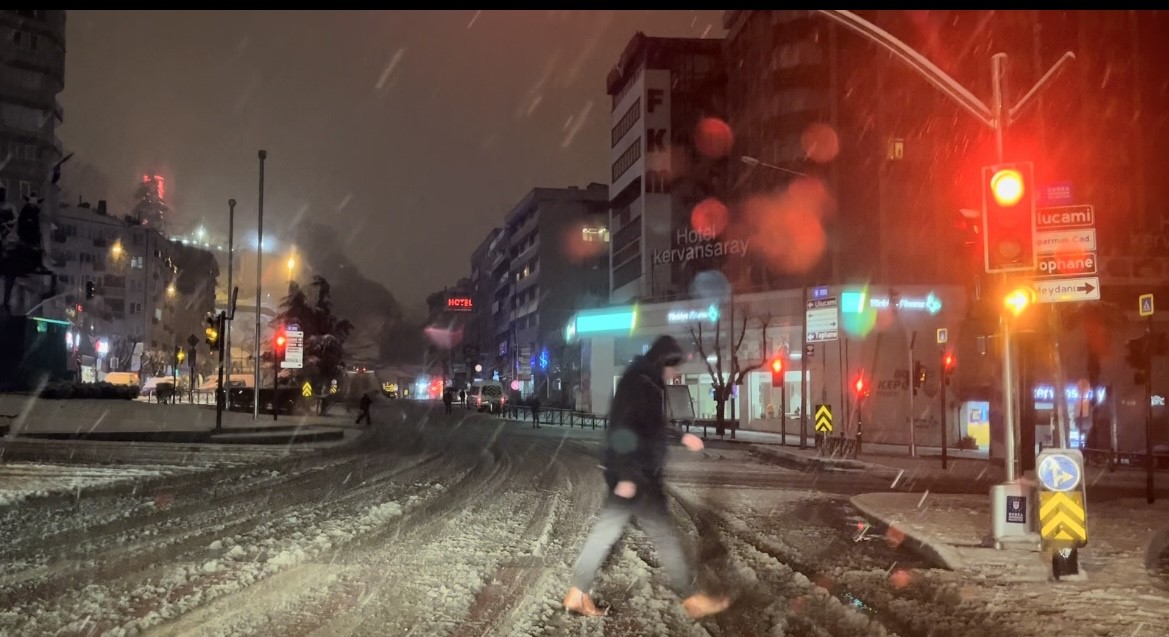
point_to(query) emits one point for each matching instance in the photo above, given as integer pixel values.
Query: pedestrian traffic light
(212, 331)
(1018, 299)
(777, 372)
(948, 365)
(1008, 217)
(90, 289)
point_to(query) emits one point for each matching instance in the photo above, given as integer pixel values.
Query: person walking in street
(448, 398)
(535, 404)
(633, 456)
(463, 398)
(366, 403)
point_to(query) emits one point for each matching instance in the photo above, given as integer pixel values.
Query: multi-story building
(548, 261)
(661, 89)
(132, 294)
(32, 73)
(481, 330)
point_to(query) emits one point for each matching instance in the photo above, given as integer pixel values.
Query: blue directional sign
(1058, 472)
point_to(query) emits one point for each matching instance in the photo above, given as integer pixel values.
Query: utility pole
(230, 271)
(263, 154)
(804, 393)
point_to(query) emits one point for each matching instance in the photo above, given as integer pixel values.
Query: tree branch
(701, 349)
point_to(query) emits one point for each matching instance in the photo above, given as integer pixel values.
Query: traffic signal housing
(949, 363)
(919, 376)
(860, 387)
(90, 290)
(777, 372)
(1008, 217)
(279, 342)
(1019, 299)
(211, 332)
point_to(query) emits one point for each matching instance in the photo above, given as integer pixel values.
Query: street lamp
(753, 162)
(116, 249)
(170, 290)
(291, 265)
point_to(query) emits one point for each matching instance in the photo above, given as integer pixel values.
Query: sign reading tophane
(1067, 264)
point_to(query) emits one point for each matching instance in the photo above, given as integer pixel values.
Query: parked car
(123, 378)
(487, 395)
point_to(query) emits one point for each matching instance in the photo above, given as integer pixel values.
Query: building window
(25, 189)
(30, 152)
(627, 159)
(626, 122)
(136, 263)
(595, 234)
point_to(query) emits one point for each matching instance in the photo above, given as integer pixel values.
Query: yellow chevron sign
(824, 419)
(1062, 517)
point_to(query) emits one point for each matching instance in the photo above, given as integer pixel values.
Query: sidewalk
(23, 416)
(1114, 595)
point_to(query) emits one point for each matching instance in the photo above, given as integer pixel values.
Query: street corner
(905, 520)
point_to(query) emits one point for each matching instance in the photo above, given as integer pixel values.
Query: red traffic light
(777, 365)
(1007, 186)
(1008, 217)
(859, 386)
(948, 362)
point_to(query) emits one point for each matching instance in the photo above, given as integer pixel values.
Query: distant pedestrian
(535, 411)
(366, 403)
(463, 398)
(448, 398)
(633, 457)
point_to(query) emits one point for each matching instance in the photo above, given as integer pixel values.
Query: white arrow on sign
(1070, 290)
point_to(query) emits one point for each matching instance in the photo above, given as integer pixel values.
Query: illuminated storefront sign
(693, 316)
(1046, 394)
(856, 301)
(608, 320)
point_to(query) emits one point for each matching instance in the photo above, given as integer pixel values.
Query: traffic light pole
(220, 396)
(912, 392)
(1149, 482)
(945, 384)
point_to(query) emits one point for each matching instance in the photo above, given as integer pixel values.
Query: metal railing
(555, 416)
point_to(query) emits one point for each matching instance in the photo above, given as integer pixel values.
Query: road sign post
(1063, 508)
(1145, 307)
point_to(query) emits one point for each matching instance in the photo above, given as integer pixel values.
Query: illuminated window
(595, 234)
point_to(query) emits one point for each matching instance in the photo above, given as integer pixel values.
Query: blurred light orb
(713, 138)
(709, 218)
(710, 284)
(821, 143)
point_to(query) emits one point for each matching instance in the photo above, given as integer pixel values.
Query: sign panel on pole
(293, 350)
(823, 321)
(1068, 290)
(1060, 241)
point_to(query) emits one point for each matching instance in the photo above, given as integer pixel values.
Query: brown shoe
(579, 602)
(702, 605)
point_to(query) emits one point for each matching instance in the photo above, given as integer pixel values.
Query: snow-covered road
(436, 525)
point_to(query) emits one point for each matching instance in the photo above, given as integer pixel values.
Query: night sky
(413, 132)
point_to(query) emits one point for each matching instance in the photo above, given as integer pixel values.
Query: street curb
(831, 464)
(936, 552)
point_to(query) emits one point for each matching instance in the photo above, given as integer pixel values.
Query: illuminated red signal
(278, 343)
(1008, 217)
(861, 387)
(1007, 186)
(777, 372)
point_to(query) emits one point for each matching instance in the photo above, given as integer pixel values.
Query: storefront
(875, 334)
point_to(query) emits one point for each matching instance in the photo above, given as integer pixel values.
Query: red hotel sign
(459, 304)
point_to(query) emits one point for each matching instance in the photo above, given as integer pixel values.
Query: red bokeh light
(713, 138)
(821, 143)
(709, 218)
(900, 578)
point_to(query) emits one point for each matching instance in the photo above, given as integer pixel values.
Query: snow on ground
(22, 480)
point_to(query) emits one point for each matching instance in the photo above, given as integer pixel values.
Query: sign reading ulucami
(698, 244)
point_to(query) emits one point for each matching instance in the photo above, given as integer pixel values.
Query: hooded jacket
(639, 434)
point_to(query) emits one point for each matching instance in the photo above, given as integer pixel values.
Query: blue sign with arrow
(1058, 472)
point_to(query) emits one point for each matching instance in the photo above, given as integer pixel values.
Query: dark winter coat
(639, 433)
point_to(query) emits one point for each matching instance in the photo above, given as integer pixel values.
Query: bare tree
(725, 381)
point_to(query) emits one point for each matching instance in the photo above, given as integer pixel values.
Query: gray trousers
(650, 512)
